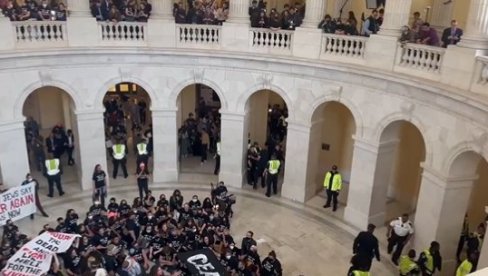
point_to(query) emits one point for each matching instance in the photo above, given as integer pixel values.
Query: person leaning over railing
(428, 35)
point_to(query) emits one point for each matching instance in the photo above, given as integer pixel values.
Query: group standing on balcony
(121, 10)
(290, 18)
(208, 12)
(44, 10)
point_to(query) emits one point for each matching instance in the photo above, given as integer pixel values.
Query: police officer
(430, 260)
(142, 153)
(366, 244)
(466, 266)
(398, 232)
(217, 158)
(272, 175)
(53, 171)
(28, 180)
(332, 185)
(119, 152)
(408, 266)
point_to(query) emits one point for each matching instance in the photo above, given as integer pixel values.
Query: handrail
(421, 57)
(271, 39)
(33, 33)
(191, 35)
(123, 31)
(344, 45)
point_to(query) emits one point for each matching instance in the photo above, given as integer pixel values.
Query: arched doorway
(266, 126)
(127, 121)
(331, 143)
(398, 172)
(198, 121)
(472, 169)
(51, 131)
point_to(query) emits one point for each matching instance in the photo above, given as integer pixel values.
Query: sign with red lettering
(17, 203)
(34, 258)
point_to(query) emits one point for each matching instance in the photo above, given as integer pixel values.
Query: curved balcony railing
(271, 41)
(198, 36)
(32, 34)
(124, 32)
(420, 61)
(421, 57)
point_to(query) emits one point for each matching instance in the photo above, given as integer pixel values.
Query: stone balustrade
(271, 41)
(198, 36)
(38, 34)
(124, 32)
(343, 48)
(421, 61)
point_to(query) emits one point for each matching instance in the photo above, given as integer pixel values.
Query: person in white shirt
(398, 233)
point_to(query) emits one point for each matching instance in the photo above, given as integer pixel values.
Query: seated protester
(179, 13)
(96, 208)
(147, 234)
(71, 221)
(124, 209)
(99, 12)
(327, 25)
(128, 266)
(101, 239)
(195, 203)
(185, 213)
(44, 13)
(260, 21)
(271, 266)
(156, 246)
(10, 12)
(113, 208)
(61, 227)
(9, 229)
(149, 200)
(110, 261)
(61, 12)
(162, 202)
(175, 201)
(139, 253)
(85, 246)
(72, 262)
(229, 261)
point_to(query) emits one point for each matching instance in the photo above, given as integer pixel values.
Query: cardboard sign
(34, 258)
(17, 203)
(202, 262)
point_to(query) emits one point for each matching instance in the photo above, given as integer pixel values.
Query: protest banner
(202, 262)
(34, 258)
(17, 203)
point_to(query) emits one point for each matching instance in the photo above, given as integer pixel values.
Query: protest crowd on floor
(153, 235)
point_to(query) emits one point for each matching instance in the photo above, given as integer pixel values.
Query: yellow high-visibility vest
(336, 181)
(361, 273)
(274, 165)
(407, 265)
(118, 151)
(430, 260)
(52, 166)
(464, 268)
(142, 148)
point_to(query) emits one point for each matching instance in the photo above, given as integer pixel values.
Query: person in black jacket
(327, 25)
(271, 266)
(366, 244)
(29, 179)
(423, 261)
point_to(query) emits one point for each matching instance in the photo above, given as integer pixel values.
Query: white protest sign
(34, 258)
(17, 203)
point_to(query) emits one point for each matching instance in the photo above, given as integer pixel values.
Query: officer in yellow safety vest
(408, 266)
(53, 174)
(466, 266)
(360, 270)
(119, 152)
(142, 153)
(272, 175)
(430, 260)
(332, 185)
(217, 158)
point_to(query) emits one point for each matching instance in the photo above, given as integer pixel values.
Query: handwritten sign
(17, 203)
(34, 258)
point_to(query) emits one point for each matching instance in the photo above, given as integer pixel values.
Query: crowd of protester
(121, 10)
(44, 10)
(208, 12)
(145, 237)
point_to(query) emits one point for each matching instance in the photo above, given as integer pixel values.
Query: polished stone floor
(308, 239)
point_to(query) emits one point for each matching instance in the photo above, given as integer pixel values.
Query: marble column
(296, 162)
(165, 138)
(81, 26)
(238, 11)
(441, 206)
(483, 259)
(476, 32)
(91, 145)
(396, 15)
(441, 14)
(162, 9)
(14, 160)
(360, 203)
(314, 12)
(233, 143)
